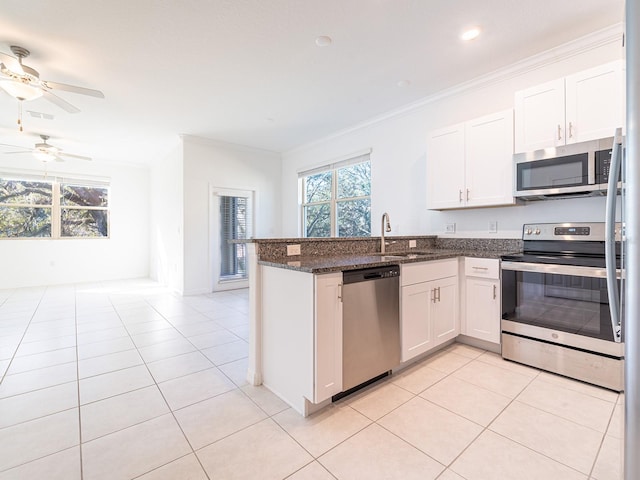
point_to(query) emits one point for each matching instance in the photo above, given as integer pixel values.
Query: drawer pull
(481, 268)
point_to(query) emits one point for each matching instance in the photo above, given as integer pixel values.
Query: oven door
(562, 304)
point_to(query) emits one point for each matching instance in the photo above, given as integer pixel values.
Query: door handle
(438, 294)
(495, 293)
(340, 292)
(467, 194)
(570, 130)
(433, 295)
(559, 132)
(460, 196)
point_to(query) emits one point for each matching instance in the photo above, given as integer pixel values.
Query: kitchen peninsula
(295, 343)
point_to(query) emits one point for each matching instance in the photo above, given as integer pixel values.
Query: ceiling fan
(46, 152)
(24, 83)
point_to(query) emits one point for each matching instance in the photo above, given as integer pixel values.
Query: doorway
(232, 219)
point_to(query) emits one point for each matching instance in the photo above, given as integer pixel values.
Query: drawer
(412, 273)
(482, 267)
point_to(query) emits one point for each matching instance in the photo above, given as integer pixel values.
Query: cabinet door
(540, 116)
(445, 168)
(489, 160)
(594, 102)
(415, 308)
(483, 309)
(444, 313)
(327, 337)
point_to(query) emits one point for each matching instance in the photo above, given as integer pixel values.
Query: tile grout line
(163, 398)
(75, 317)
(604, 436)
(2, 377)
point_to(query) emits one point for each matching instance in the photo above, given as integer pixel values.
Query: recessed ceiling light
(470, 34)
(323, 41)
(404, 83)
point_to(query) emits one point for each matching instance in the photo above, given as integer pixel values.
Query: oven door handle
(572, 270)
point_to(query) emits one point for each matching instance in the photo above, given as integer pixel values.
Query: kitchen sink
(396, 256)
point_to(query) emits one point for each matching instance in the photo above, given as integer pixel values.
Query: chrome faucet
(384, 227)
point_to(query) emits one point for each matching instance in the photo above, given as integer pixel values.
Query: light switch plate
(449, 228)
(412, 244)
(493, 227)
(293, 249)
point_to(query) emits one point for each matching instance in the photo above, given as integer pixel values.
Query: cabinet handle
(480, 268)
(495, 292)
(570, 130)
(467, 194)
(340, 292)
(438, 293)
(433, 295)
(460, 196)
(559, 132)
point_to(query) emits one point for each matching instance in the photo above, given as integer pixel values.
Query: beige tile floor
(124, 380)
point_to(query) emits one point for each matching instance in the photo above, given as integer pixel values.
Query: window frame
(334, 167)
(56, 206)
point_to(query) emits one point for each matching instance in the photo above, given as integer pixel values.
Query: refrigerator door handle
(610, 236)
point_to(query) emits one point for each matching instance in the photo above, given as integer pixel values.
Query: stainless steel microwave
(579, 169)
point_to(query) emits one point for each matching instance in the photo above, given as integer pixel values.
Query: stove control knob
(529, 231)
(537, 232)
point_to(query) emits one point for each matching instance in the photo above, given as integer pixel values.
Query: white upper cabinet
(445, 167)
(540, 116)
(489, 160)
(585, 106)
(470, 164)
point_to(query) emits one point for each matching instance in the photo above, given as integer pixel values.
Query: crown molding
(553, 55)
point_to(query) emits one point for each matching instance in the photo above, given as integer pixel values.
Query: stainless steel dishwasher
(371, 324)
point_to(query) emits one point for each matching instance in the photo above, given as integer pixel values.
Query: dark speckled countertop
(338, 263)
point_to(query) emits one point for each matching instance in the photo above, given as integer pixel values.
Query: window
(235, 224)
(336, 199)
(54, 208)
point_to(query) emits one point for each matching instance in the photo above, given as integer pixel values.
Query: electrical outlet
(493, 226)
(449, 228)
(412, 244)
(293, 249)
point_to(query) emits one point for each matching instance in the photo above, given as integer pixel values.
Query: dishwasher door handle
(371, 276)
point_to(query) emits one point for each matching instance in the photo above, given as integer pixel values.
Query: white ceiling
(249, 71)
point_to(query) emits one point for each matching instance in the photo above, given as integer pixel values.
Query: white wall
(31, 262)
(166, 264)
(210, 164)
(398, 155)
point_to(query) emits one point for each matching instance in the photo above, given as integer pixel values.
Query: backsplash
(275, 249)
(482, 244)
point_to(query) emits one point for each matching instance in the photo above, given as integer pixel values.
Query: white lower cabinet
(301, 336)
(482, 299)
(428, 305)
(327, 337)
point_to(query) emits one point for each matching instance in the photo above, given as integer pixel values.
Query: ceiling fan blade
(72, 88)
(60, 102)
(11, 63)
(8, 145)
(19, 151)
(79, 157)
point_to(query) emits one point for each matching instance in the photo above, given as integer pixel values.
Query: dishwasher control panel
(367, 274)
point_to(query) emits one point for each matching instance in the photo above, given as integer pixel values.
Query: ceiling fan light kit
(20, 90)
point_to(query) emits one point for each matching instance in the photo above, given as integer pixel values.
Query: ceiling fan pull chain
(20, 115)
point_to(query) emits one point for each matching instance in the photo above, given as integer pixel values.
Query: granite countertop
(338, 263)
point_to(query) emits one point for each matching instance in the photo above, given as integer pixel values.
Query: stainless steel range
(555, 304)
